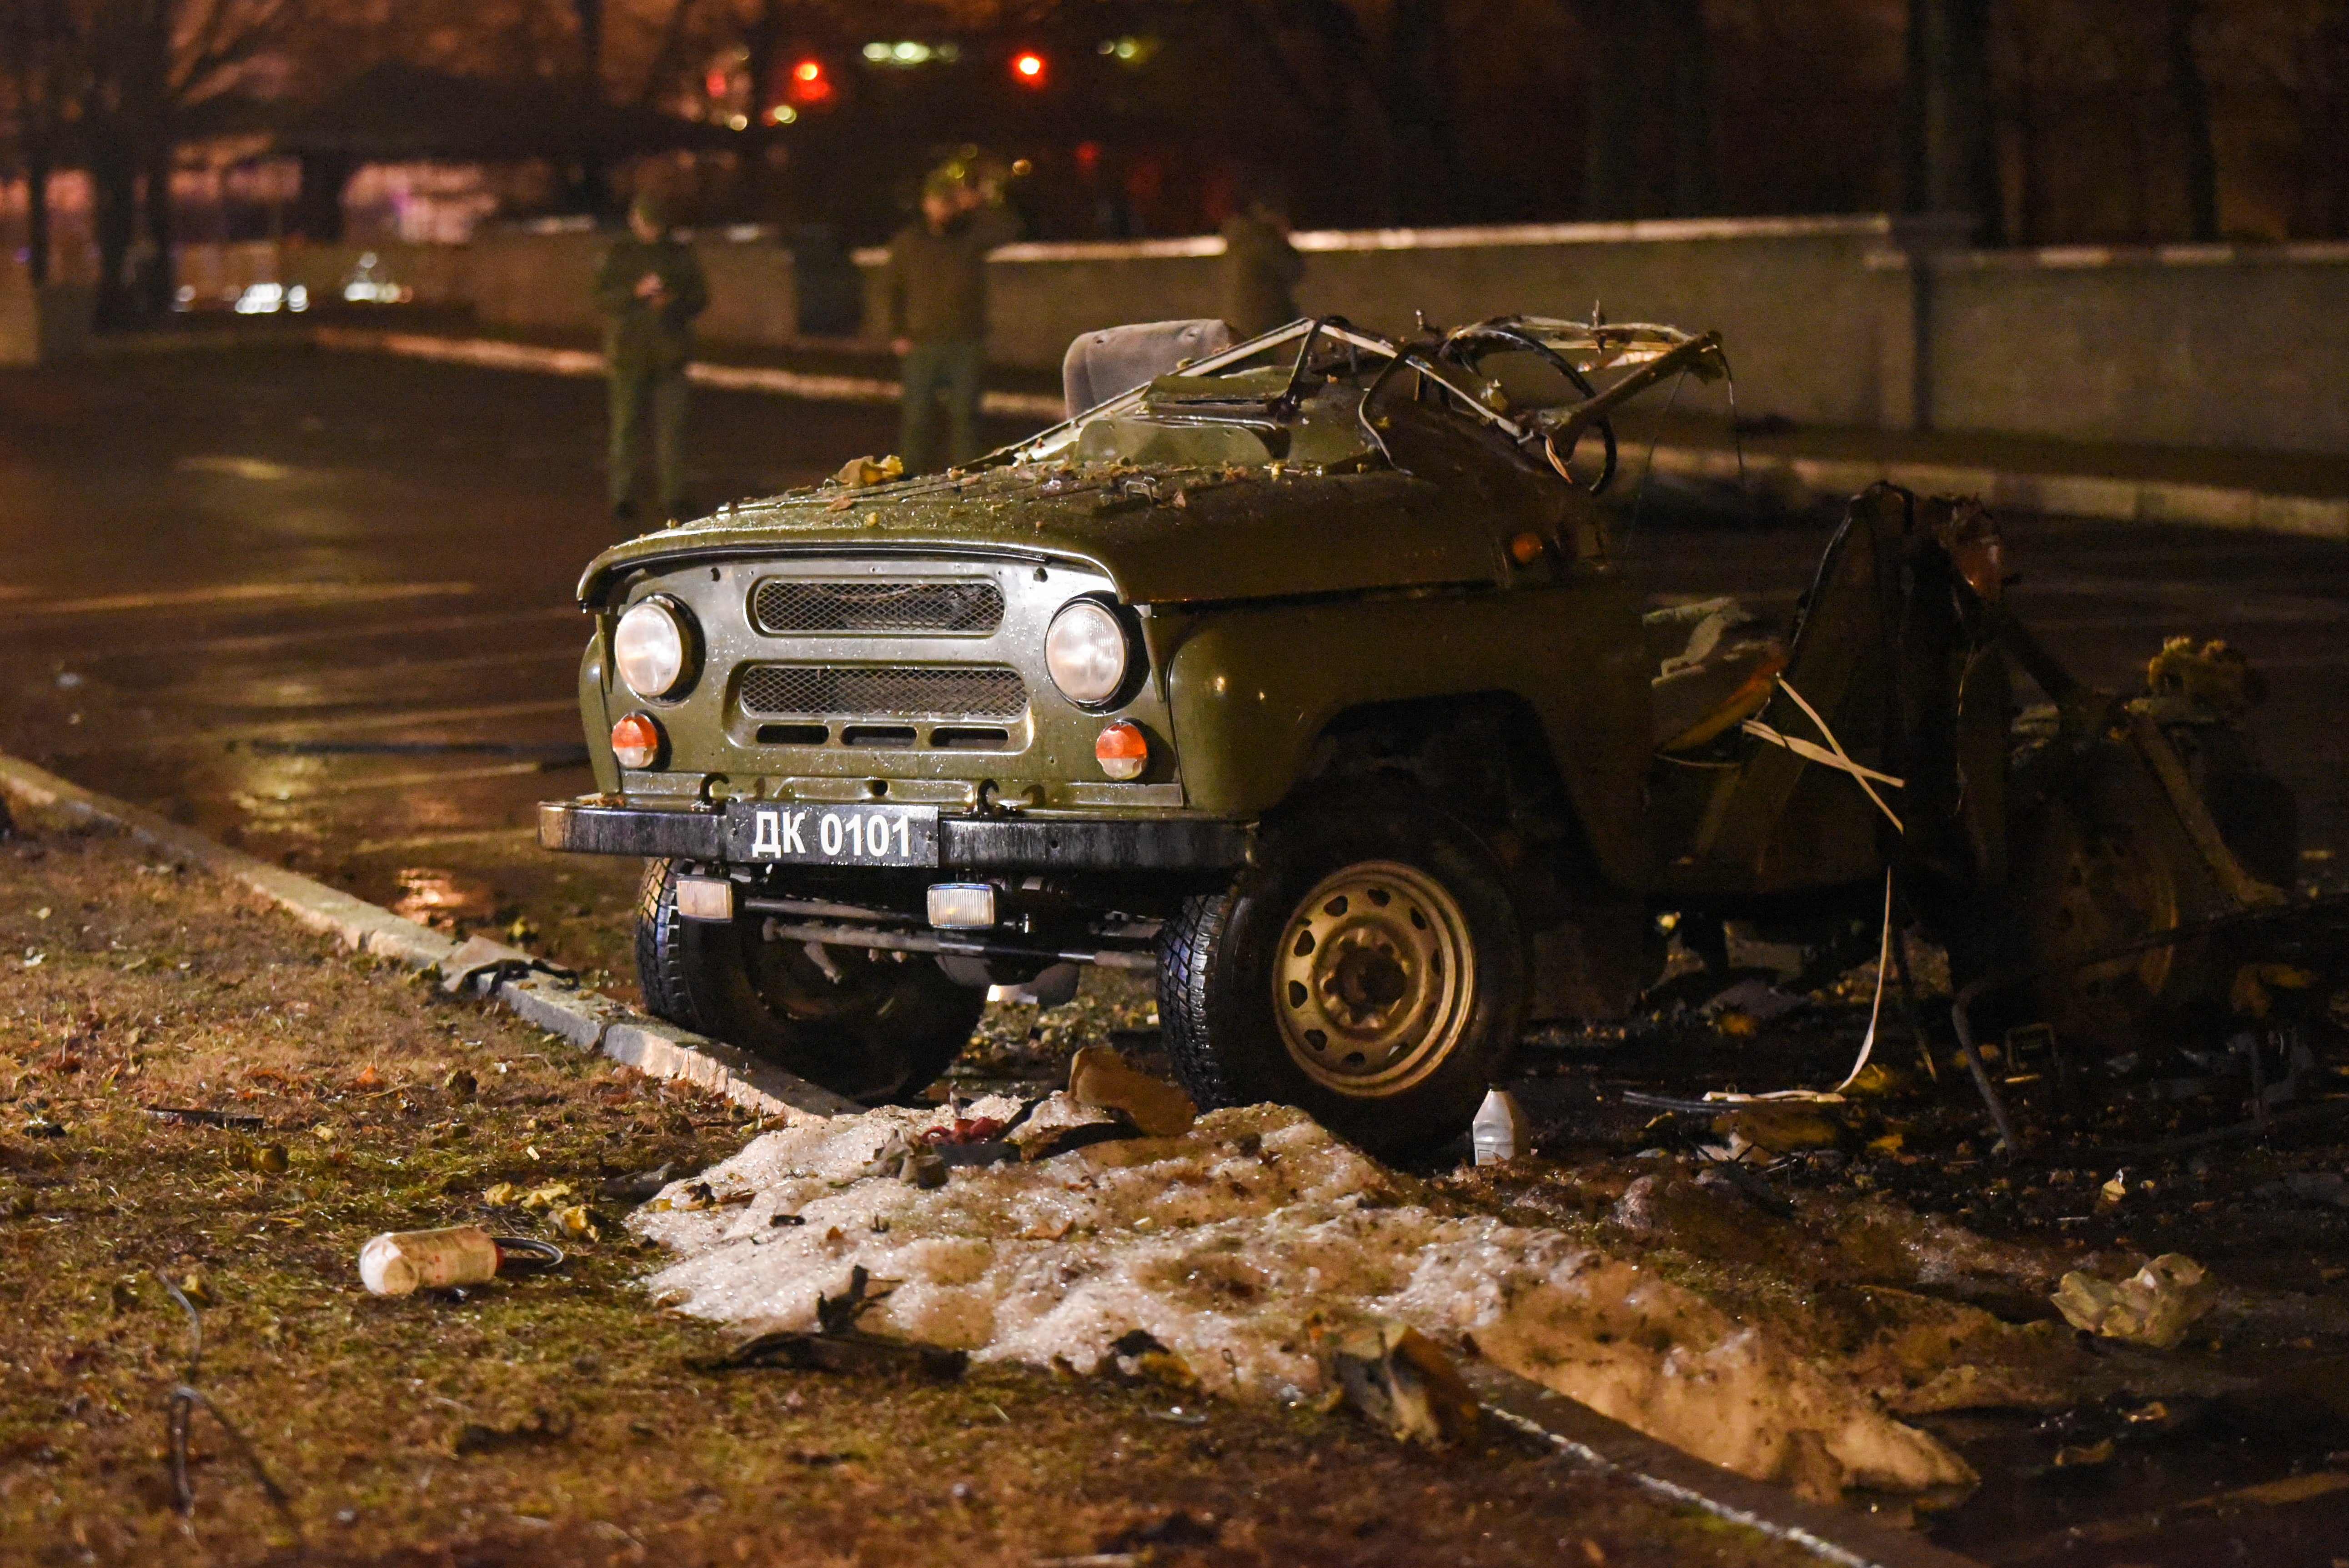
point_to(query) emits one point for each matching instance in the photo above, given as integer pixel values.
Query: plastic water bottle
(399, 1262)
(1499, 1132)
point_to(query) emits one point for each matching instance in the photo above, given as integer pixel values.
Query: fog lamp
(962, 905)
(636, 741)
(1122, 750)
(705, 898)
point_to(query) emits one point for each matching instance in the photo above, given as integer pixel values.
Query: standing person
(650, 287)
(1260, 266)
(934, 294)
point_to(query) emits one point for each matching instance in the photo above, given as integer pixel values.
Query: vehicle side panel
(1251, 690)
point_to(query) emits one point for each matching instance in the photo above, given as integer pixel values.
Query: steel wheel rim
(1374, 979)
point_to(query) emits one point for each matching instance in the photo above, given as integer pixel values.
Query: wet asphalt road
(318, 604)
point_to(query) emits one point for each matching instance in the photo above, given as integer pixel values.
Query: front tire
(865, 1023)
(1370, 967)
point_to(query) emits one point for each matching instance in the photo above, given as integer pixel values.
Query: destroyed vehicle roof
(1275, 444)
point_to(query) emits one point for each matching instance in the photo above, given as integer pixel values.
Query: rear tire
(1370, 967)
(865, 1023)
(2099, 866)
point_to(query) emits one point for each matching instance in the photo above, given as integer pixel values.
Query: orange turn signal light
(636, 741)
(1526, 548)
(1122, 750)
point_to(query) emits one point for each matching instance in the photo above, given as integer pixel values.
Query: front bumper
(1007, 843)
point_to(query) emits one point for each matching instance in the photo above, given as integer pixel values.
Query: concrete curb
(586, 1018)
(1797, 480)
(1793, 480)
(1832, 1534)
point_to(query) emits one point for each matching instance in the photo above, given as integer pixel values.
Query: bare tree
(2191, 93)
(1648, 142)
(1952, 155)
(139, 70)
(39, 86)
(670, 51)
(2294, 55)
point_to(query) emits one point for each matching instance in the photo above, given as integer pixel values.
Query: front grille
(895, 691)
(972, 607)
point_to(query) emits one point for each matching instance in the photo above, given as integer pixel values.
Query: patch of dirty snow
(1235, 1245)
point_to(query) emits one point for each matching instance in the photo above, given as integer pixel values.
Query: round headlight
(650, 648)
(1085, 651)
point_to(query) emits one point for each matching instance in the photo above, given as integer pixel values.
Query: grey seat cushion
(1101, 365)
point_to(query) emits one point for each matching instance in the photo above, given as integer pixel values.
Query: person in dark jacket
(649, 287)
(1260, 267)
(933, 298)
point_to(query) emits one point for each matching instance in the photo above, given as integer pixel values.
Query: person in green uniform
(1260, 266)
(649, 287)
(934, 297)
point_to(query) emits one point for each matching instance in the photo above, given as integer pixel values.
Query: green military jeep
(1298, 675)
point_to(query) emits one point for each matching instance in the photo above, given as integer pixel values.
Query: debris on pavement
(1755, 999)
(2330, 1187)
(198, 1118)
(475, 1438)
(1136, 1357)
(1100, 1077)
(1397, 1376)
(1499, 1130)
(837, 1343)
(1176, 1529)
(482, 965)
(638, 1187)
(852, 1354)
(2154, 1306)
(400, 1263)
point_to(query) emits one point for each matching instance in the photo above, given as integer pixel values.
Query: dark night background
(2087, 121)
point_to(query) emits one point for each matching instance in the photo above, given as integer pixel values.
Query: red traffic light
(1027, 68)
(809, 84)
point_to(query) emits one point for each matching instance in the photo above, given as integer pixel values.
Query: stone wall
(1857, 320)
(2200, 347)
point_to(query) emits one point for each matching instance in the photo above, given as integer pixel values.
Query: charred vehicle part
(1301, 673)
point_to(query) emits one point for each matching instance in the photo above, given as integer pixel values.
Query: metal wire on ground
(184, 1398)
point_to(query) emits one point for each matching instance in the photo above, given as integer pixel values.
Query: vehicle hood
(1163, 534)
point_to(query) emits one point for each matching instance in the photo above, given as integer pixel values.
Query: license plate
(833, 835)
